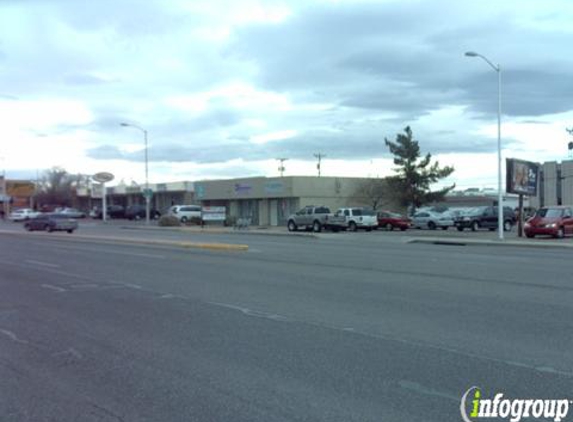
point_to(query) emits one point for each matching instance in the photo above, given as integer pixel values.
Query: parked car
(485, 218)
(316, 218)
(390, 220)
(358, 218)
(137, 212)
(72, 213)
(23, 214)
(431, 220)
(186, 213)
(52, 222)
(556, 221)
(113, 211)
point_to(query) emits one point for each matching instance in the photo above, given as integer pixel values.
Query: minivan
(186, 213)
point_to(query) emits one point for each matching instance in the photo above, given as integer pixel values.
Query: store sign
(103, 177)
(243, 188)
(214, 213)
(274, 187)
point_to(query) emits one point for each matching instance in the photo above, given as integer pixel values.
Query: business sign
(213, 213)
(274, 187)
(103, 177)
(97, 191)
(199, 191)
(243, 188)
(521, 177)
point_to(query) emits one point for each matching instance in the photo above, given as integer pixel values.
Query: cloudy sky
(226, 87)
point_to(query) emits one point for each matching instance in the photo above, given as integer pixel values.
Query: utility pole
(319, 156)
(570, 144)
(281, 166)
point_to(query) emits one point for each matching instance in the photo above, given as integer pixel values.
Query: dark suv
(485, 218)
(137, 212)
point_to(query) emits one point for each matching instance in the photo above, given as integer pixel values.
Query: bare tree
(57, 187)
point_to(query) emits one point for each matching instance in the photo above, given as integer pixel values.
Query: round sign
(103, 177)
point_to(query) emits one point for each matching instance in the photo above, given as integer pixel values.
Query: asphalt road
(335, 328)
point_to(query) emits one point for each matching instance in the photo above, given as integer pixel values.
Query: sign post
(102, 178)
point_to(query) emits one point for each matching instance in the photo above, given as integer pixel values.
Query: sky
(224, 88)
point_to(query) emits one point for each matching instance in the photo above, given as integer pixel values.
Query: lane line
(56, 288)
(12, 336)
(42, 263)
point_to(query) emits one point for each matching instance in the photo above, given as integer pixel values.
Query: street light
(500, 196)
(147, 191)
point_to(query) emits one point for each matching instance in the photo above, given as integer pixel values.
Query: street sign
(147, 193)
(103, 177)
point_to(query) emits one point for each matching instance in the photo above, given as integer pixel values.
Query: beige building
(269, 201)
(555, 184)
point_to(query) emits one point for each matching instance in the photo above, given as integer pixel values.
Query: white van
(186, 213)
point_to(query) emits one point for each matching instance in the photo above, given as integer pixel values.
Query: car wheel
(316, 227)
(432, 225)
(403, 229)
(560, 233)
(507, 226)
(70, 231)
(389, 227)
(28, 227)
(460, 228)
(475, 226)
(368, 229)
(183, 220)
(529, 235)
(352, 226)
(444, 227)
(50, 229)
(291, 226)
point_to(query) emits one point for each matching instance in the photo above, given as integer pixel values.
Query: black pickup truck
(485, 218)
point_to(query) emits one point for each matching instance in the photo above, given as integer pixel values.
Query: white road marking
(42, 264)
(56, 288)
(69, 352)
(418, 388)
(12, 336)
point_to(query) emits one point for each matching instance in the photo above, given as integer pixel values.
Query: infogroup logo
(511, 409)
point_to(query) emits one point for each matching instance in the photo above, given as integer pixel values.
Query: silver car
(432, 220)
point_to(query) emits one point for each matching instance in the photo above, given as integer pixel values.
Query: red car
(391, 220)
(556, 221)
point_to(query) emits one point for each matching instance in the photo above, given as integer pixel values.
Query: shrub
(168, 221)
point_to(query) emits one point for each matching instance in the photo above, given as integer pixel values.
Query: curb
(481, 242)
(110, 239)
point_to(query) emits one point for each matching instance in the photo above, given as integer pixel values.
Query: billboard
(521, 177)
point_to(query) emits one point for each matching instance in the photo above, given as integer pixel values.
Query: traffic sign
(147, 193)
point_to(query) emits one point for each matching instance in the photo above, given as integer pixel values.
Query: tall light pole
(500, 194)
(147, 193)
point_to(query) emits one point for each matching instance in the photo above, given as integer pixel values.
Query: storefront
(269, 201)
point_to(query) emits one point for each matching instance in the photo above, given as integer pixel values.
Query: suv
(359, 218)
(485, 218)
(112, 211)
(187, 213)
(137, 212)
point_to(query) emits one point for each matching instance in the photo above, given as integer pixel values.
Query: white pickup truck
(359, 218)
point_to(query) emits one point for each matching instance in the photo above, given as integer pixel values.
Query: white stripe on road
(42, 264)
(56, 288)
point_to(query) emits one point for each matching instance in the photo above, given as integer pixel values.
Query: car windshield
(550, 212)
